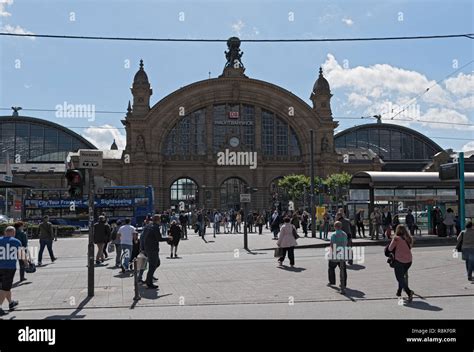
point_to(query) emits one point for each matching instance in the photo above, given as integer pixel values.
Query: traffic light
(75, 181)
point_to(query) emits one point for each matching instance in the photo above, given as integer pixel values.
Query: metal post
(246, 244)
(462, 213)
(313, 209)
(90, 247)
(6, 202)
(135, 281)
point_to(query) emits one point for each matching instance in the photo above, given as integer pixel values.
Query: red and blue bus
(117, 203)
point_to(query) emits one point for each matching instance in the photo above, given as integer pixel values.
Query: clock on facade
(234, 142)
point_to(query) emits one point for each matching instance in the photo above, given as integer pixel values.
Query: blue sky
(366, 77)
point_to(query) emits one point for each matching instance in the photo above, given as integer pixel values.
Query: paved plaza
(219, 279)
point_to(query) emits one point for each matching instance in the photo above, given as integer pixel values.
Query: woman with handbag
(466, 246)
(401, 245)
(287, 242)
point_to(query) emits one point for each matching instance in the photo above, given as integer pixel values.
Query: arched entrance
(184, 190)
(231, 189)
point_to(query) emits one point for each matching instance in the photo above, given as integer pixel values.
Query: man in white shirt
(125, 235)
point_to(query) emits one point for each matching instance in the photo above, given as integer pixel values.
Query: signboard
(449, 171)
(99, 183)
(245, 198)
(320, 213)
(90, 159)
(233, 114)
(7, 178)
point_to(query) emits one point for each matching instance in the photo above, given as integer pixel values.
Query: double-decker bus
(117, 202)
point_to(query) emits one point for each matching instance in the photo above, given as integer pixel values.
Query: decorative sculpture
(234, 54)
(325, 145)
(140, 143)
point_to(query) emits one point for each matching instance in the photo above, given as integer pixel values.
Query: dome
(141, 76)
(321, 85)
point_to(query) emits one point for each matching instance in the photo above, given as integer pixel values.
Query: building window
(188, 136)
(184, 190)
(278, 138)
(233, 120)
(230, 193)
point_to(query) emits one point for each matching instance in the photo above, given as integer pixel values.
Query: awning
(378, 179)
(16, 183)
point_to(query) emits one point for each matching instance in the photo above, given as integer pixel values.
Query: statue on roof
(234, 54)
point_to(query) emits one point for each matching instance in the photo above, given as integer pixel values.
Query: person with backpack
(183, 220)
(466, 246)
(400, 247)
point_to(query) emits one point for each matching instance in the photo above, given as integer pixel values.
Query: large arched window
(235, 121)
(188, 136)
(278, 138)
(185, 190)
(231, 189)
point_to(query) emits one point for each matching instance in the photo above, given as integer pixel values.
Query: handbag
(295, 234)
(278, 252)
(111, 247)
(459, 244)
(390, 255)
(30, 266)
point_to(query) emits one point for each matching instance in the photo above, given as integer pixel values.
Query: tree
(338, 185)
(294, 185)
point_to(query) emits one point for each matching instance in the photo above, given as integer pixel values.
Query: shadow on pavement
(73, 315)
(355, 267)
(423, 306)
(124, 275)
(249, 251)
(148, 293)
(19, 283)
(289, 268)
(354, 293)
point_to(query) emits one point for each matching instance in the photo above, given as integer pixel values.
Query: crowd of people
(171, 227)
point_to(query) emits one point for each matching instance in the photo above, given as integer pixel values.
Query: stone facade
(144, 162)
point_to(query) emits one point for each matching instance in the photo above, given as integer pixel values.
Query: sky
(367, 78)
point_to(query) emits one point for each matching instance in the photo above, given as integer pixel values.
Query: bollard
(135, 280)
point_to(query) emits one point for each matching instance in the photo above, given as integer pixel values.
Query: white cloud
(446, 116)
(348, 21)
(468, 147)
(104, 136)
(461, 85)
(16, 30)
(358, 100)
(3, 5)
(255, 31)
(237, 27)
(402, 94)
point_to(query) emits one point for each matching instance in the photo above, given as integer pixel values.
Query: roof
(46, 123)
(17, 183)
(366, 179)
(390, 126)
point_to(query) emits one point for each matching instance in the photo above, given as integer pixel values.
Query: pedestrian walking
(152, 249)
(295, 221)
(13, 251)
(125, 235)
(326, 224)
(360, 223)
(287, 242)
(175, 232)
(275, 224)
(102, 234)
(466, 246)
(339, 253)
(304, 223)
(260, 223)
(449, 222)
(183, 221)
(376, 222)
(401, 246)
(238, 219)
(386, 221)
(21, 236)
(410, 222)
(46, 237)
(114, 227)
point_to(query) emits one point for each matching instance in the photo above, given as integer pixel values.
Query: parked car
(4, 219)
